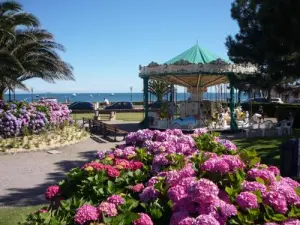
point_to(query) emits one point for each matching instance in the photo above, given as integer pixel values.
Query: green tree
(268, 38)
(159, 88)
(26, 50)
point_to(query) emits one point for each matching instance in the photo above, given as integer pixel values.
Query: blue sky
(106, 41)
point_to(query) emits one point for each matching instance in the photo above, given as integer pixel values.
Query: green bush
(282, 113)
(269, 108)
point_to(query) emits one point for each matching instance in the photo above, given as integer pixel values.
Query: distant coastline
(99, 97)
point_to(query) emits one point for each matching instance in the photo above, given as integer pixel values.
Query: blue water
(99, 97)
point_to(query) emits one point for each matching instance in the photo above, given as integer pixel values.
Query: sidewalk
(25, 176)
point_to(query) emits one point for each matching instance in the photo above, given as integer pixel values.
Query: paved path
(25, 176)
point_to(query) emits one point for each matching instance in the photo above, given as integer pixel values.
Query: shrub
(269, 108)
(172, 178)
(20, 118)
(283, 111)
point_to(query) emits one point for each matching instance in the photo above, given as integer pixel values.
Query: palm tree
(29, 52)
(159, 88)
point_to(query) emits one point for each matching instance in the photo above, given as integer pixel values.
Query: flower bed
(20, 118)
(172, 178)
(36, 126)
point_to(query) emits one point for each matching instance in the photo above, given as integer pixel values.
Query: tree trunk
(2, 91)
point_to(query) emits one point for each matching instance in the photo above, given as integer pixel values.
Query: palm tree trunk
(2, 91)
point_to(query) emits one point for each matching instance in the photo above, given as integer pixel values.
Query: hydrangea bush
(20, 118)
(171, 178)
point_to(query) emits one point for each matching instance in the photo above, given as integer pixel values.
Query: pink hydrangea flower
(187, 171)
(277, 201)
(274, 170)
(254, 186)
(186, 182)
(287, 191)
(187, 221)
(206, 220)
(200, 131)
(226, 210)
(176, 193)
(224, 196)
(203, 191)
(52, 191)
(247, 200)
(292, 183)
(178, 216)
(116, 199)
(261, 173)
(172, 177)
(86, 213)
(108, 209)
(234, 162)
(215, 165)
(137, 188)
(291, 222)
(143, 220)
(149, 193)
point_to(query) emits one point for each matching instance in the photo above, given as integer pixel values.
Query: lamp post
(130, 93)
(31, 94)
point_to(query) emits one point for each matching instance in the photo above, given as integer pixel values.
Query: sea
(112, 97)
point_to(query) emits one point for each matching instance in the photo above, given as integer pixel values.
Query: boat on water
(74, 95)
(112, 94)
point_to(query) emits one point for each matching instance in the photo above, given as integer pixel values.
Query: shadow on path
(35, 195)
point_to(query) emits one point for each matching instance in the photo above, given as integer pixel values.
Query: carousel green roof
(195, 55)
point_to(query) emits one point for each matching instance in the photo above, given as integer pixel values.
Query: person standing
(106, 102)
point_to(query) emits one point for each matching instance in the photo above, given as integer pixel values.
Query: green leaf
(254, 161)
(269, 211)
(110, 187)
(297, 190)
(138, 173)
(279, 218)
(156, 213)
(259, 180)
(229, 190)
(258, 196)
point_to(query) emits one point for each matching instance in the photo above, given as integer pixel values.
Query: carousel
(197, 70)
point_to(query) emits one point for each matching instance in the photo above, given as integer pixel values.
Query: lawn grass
(268, 148)
(126, 116)
(14, 215)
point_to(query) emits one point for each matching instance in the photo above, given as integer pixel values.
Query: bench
(109, 129)
(98, 127)
(105, 115)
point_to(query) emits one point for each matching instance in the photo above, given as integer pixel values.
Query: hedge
(282, 113)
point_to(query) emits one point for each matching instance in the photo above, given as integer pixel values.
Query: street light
(130, 93)
(32, 94)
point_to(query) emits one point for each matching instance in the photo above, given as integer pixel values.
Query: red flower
(123, 163)
(137, 188)
(135, 165)
(95, 165)
(52, 191)
(112, 172)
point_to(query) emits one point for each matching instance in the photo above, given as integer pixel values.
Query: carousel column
(233, 124)
(172, 93)
(146, 106)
